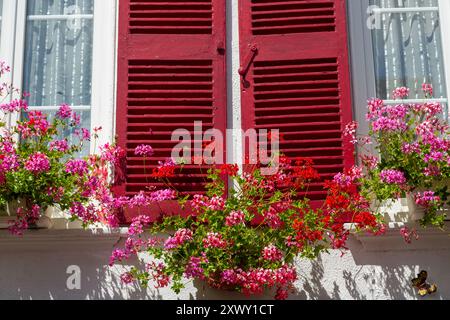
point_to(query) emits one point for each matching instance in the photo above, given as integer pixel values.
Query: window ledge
(429, 238)
(48, 239)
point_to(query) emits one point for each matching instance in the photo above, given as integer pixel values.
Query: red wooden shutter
(298, 79)
(171, 72)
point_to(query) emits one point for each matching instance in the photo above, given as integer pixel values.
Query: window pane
(58, 55)
(408, 48)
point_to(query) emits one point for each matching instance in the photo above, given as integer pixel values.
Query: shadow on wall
(368, 275)
(41, 273)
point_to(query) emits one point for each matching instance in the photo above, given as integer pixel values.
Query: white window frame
(103, 99)
(363, 78)
(12, 50)
(362, 59)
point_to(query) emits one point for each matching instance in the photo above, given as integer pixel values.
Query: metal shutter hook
(243, 70)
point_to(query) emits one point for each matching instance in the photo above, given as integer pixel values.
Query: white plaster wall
(36, 269)
(234, 149)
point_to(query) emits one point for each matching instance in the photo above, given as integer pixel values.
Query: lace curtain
(408, 49)
(58, 55)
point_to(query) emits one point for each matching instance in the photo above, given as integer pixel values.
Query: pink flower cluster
(433, 156)
(17, 105)
(118, 255)
(272, 218)
(400, 93)
(398, 112)
(181, 236)
(59, 145)
(194, 269)
(214, 240)
(272, 253)
(347, 178)
(163, 195)
(387, 124)
(142, 199)
(429, 129)
(37, 125)
(127, 277)
(235, 218)
(255, 281)
(139, 200)
(431, 109)
(370, 161)
(77, 167)
(408, 234)
(157, 273)
(144, 150)
(64, 112)
(38, 163)
(55, 193)
(88, 215)
(9, 160)
(113, 154)
(393, 177)
(215, 203)
(4, 68)
(426, 199)
(375, 107)
(427, 89)
(350, 131)
(85, 134)
(432, 171)
(24, 219)
(410, 148)
(138, 224)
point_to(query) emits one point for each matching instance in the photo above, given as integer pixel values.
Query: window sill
(397, 216)
(429, 238)
(50, 239)
(53, 219)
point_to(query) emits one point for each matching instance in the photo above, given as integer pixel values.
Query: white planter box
(416, 212)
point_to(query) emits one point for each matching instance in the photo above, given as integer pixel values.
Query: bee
(422, 285)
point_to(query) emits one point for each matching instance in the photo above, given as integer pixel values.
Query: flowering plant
(412, 153)
(40, 169)
(247, 240)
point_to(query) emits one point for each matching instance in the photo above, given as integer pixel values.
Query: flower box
(415, 211)
(8, 214)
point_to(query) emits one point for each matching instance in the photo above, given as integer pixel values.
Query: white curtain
(408, 49)
(58, 55)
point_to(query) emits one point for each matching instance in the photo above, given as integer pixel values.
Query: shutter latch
(243, 70)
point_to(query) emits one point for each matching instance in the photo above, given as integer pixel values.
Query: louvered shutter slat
(299, 80)
(171, 73)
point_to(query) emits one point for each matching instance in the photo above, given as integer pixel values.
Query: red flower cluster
(165, 170)
(304, 172)
(229, 169)
(305, 233)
